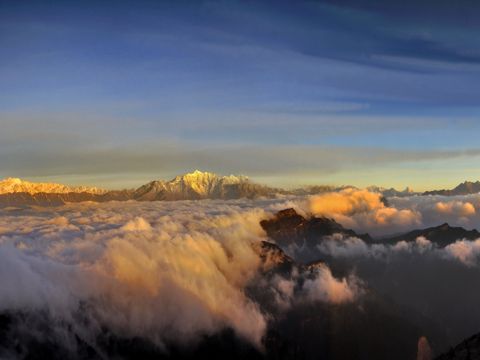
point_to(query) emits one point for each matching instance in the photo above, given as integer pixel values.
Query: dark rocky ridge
(441, 235)
(468, 349)
(288, 227)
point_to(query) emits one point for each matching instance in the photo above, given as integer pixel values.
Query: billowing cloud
(456, 210)
(325, 287)
(468, 252)
(318, 284)
(155, 270)
(137, 224)
(455, 207)
(363, 210)
(339, 246)
(345, 202)
(176, 274)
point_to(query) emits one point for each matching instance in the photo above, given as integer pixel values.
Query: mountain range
(190, 186)
(16, 185)
(465, 188)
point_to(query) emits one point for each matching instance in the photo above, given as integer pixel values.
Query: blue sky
(289, 93)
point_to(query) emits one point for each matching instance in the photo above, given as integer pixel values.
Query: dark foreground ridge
(468, 349)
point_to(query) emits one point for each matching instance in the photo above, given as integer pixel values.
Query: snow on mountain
(191, 186)
(16, 185)
(202, 185)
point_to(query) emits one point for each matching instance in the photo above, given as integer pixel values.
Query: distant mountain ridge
(196, 185)
(191, 186)
(58, 199)
(465, 188)
(390, 192)
(16, 185)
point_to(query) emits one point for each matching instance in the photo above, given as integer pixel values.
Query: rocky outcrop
(288, 227)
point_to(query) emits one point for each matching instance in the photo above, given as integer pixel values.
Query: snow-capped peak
(200, 185)
(16, 185)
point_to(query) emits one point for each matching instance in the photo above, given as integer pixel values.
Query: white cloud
(325, 287)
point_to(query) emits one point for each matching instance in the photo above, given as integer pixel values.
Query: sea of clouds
(168, 271)
(172, 271)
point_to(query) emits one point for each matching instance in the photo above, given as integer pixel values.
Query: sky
(290, 93)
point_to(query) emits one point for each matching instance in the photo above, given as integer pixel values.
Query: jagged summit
(202, 185)
(15, 185)
(465, 188)
(190, 186)
(288, 227)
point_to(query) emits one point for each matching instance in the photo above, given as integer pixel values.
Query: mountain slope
(202, 185)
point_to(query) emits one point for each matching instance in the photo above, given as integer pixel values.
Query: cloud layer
(179, 270)
(155, 270)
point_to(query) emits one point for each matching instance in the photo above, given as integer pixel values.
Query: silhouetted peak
(444, 226)
(287, 213)
(287, 227)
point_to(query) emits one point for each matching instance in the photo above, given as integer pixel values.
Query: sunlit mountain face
(335, 210)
